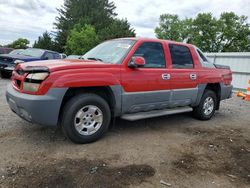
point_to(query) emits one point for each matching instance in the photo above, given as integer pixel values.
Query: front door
(146, 88)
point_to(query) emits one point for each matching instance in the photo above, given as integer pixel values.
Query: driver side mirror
(136, 62)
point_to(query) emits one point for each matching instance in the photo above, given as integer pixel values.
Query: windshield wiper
(94, 58)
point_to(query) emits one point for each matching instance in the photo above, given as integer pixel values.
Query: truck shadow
(41, 135)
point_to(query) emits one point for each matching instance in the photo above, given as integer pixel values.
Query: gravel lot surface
(173, 151)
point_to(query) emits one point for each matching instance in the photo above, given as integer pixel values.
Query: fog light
(25, 114)
(33, 87)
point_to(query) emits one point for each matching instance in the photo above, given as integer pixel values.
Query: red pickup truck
(128, 78)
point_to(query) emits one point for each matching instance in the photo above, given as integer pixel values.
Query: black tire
(199, 111)
(4, 74)
(73, 106)
(1, 74)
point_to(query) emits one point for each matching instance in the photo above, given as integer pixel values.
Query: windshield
(16, 52)
(110, 52)
(33, 52)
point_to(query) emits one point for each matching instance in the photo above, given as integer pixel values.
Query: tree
(81, 39)
(227, 33)
(98, 13)
(234, 33)
(204, 32)
(44, 42)
(170, 27)
(117, 29)
(93, 12)
(20, 43)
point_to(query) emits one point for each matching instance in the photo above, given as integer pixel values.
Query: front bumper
(40, 109)
(6, 67)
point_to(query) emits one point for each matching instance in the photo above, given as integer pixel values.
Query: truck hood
(65, 64)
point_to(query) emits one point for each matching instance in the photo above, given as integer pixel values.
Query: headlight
(37, 76)
(33, 81)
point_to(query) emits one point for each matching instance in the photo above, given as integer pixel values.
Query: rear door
(183, 82)
(146, 88)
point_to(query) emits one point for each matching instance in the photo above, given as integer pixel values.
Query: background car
(73, 57)
(63, 56)
(4, 50)
(8, 61)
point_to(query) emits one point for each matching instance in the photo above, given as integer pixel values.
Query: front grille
(2, 66)
(6, 60)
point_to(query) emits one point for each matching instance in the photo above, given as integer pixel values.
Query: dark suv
(8, 61)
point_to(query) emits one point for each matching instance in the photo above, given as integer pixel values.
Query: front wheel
(206, 108)
(4, 74)
(85, 118)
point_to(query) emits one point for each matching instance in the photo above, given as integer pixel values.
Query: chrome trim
(166, 76)
(193, 76)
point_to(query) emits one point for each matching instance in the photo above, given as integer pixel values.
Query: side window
(204, 59)
(49, 55)
(153, 54)
(181, 57)
(57, 56)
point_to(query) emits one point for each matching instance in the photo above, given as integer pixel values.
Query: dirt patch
(75, 173)
(183, 151)
(218, 151)
(186, 163)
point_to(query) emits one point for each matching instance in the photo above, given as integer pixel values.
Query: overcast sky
(30, 18)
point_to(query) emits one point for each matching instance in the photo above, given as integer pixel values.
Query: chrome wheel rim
(208, 106)
(88, 120)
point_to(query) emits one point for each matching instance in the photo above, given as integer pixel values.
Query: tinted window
(49, 55)
(181, 57)
(153, 54)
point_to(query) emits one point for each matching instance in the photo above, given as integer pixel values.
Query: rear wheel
(85, 118)
(206, 109)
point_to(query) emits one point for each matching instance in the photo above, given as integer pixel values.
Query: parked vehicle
(128, 78)
(73, 57)
(8, 61)
(4, 50)
(17, 51)
(63, 56)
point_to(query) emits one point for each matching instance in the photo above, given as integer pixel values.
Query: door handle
(193, 76)
(166, 76)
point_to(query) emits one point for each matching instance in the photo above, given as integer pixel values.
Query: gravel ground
(173, 151)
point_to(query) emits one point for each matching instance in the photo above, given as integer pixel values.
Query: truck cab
(129, 78)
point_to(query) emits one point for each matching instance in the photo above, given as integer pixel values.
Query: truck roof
(153, 40)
